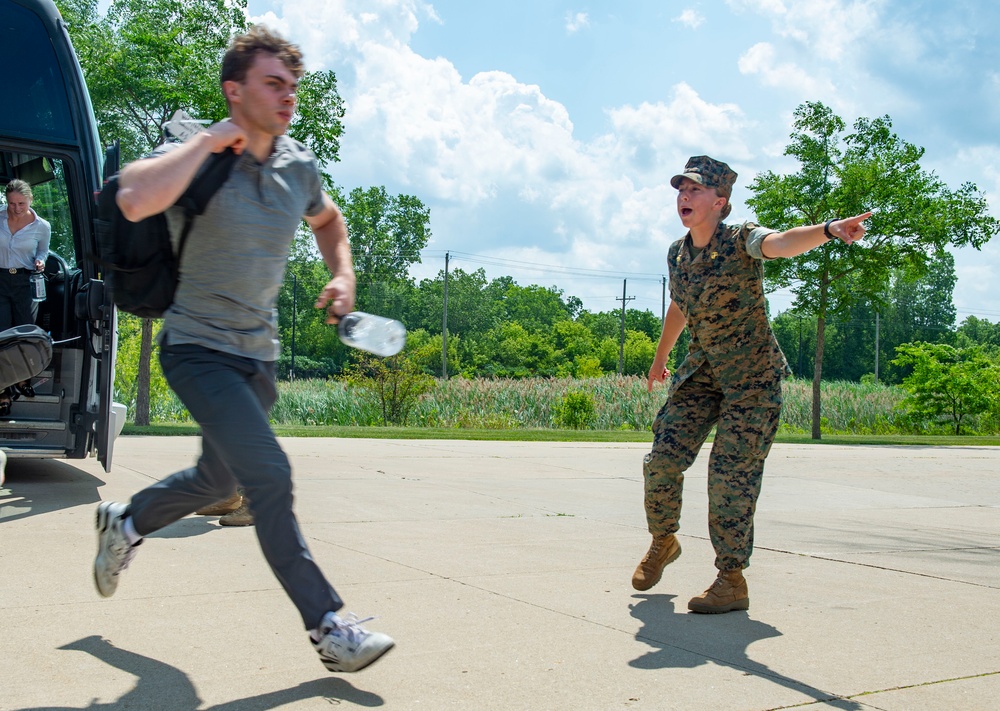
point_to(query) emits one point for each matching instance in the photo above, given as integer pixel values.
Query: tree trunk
(817, 377)
(142, 376)
(820, 342)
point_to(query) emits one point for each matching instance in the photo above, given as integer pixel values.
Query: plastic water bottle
(37, 286)
(375, 334)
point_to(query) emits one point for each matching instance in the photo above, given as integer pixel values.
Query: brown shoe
(220, 508)
(239, 517)
(662, 552)
(728, 592)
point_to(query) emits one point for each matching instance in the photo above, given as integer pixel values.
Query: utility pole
(621, 345)
(663, 302)
(444, 323)
(800, 346)
(876, 346)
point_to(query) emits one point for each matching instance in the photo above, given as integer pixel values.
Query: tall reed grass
(619, 403)
(845, 408)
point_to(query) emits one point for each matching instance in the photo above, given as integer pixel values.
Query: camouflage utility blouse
(720, 291)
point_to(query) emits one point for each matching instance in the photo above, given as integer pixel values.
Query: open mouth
(685, 211)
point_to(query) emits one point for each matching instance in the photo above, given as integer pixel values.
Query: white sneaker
(345, 646)
(114, 552)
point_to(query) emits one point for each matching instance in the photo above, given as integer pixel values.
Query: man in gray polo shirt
(219, 338)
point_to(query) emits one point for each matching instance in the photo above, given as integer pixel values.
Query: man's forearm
(150, 186)
(331, 239)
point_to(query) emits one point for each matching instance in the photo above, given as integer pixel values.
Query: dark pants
(229, 397)
(15, 299)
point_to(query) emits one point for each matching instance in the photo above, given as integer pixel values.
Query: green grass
(534, 409)
(505, 435)
(552, 435)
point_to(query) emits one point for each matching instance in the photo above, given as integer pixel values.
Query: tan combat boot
(220, 508)
(662, 552)
(728, 592)
(239, 517)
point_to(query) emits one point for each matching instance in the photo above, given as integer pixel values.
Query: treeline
(861, 340)
(500, 329)
(496, 328)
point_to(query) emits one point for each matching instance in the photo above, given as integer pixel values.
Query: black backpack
(137, 259)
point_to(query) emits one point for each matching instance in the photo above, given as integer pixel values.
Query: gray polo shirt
(235, 256)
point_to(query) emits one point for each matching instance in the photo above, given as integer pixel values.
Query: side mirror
(89, 301)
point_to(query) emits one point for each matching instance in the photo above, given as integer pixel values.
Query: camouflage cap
(708, 172)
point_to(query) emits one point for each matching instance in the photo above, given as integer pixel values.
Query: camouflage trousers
(746, 426)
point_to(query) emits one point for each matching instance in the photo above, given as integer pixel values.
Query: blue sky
(542, 134)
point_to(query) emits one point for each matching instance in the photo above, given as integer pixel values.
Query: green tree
(796, 333)
(425, 350)
(535, 307)
(146, 59)
(314, 339)
(395, 383)
(915, 216)
(573, 339)
(919, 307)
(387, 234)
(143, 61)
(512, 351)
(979, 331)
(947, 383)
(638, 353)
(850, 343)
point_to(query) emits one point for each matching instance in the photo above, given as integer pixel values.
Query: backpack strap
(207, 181)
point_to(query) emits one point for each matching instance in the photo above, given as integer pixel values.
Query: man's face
(697, 203)
(17, 204)
(265, 100)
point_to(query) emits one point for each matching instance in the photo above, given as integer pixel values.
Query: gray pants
(229, 397)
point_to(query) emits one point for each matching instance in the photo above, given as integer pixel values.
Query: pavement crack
(859, 697)
(887, 568)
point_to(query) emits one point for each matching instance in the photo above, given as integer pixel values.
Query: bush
(576, 410)
(395, 384)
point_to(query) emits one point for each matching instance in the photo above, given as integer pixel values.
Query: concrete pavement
(502, 570)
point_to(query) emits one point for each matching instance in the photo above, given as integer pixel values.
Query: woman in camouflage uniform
(730, 379)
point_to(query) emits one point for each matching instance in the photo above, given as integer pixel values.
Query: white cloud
(978, 271)
(690, 18)
(657, 138)
(829, 27)
(576, 21)
(761, 60)
(496, 159)
(331, 32)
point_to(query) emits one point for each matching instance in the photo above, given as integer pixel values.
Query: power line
(554, 269)
(425, 255)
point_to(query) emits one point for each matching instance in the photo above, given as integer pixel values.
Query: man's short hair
(244, 48)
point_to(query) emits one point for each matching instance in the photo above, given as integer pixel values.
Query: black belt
(13, 270)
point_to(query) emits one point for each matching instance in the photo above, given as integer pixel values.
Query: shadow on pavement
(685, 640)
(40, 486)
(165, 688)
(188, 527)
